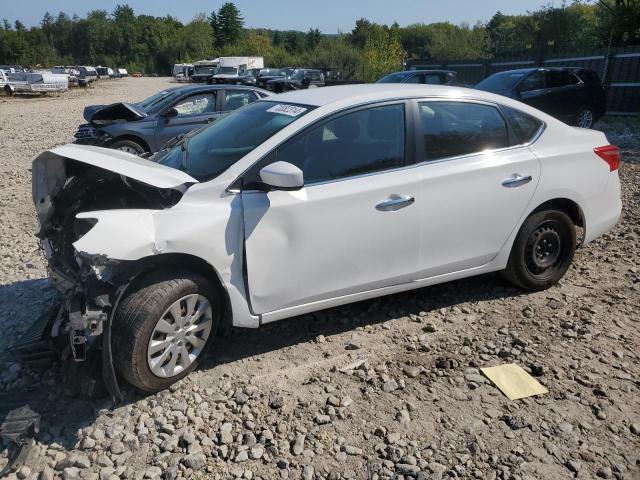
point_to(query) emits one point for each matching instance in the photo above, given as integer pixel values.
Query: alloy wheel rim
(128, 149)
(179, 336)
(585, 119)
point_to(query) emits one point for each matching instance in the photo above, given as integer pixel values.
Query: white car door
(353, 227)
(478, 180)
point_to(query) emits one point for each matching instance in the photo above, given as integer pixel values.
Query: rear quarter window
(525, 126)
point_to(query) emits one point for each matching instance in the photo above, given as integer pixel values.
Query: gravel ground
(387, 388)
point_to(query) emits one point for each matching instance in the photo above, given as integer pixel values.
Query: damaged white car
(315, 199)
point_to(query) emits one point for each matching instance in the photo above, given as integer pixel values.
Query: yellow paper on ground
(513, 381)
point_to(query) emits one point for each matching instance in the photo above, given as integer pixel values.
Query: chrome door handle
(395, 202)
(516, 180)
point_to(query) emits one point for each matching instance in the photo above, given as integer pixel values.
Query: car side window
(415, 79)
(198, 104)
(234, 99)
(534, 81)
(451, 129)
(524, 125)
(560, 78)
(432, 79)
(364, 141)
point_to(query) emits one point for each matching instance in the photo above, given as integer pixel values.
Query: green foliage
(153, 44)
(382, 54)
(228, 25)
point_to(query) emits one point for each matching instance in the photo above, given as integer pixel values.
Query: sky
(330, 16)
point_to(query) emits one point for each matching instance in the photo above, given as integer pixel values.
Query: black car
(269, 74)
(427, 77)
(146, 126)
(574, 95)
(303, 78)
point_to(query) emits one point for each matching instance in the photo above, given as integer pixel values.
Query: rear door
(234, 98)
(355, 226)
(477, 183)
(533, 91)
(564, 94)
(194, 111)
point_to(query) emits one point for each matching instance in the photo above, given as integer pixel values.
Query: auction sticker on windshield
(290, 110)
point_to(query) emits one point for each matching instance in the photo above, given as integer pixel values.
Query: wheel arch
(132, 138)
(566, 205)
(185, 261)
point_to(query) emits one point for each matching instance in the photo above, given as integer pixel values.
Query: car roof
(197, 88)
(356, 94)
(425, 71)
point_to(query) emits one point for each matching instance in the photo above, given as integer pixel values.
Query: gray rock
(411, 371)
(351, 450)
(322, 419)
(226, 437)
(297, 446)
(70, 473)
(635, 428)
(390, 386)
(195, 461)
(605, 472)
(46, 474)
(242, 456)
(307, 472)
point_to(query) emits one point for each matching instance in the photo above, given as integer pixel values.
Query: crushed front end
(90, 285)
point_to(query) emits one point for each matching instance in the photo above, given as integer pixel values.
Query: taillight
(610, 154)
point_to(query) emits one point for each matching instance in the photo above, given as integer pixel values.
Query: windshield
(228, 70)
(394, 77)
(156, 99)
(215, 148)
(499, 82)
(204, 69)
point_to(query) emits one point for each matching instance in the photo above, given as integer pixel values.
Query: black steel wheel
(543, 250)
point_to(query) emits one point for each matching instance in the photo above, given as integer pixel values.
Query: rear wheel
(586, 117)
(162, 327)
(129, 146)
(543, 250)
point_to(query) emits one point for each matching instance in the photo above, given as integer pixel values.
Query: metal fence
(618, 68)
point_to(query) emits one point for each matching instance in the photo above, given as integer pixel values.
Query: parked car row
(16, 79)
(574, 95)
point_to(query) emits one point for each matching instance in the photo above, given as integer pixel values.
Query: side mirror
(282, 176)
(172, 112)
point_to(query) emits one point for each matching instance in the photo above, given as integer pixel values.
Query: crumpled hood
(49, 172)
(102, 114)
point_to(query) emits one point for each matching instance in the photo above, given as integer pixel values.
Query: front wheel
(543, 250)
(162, 327)
(129, 146)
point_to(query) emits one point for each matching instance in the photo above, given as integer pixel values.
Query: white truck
(181, 71)
(33, 82)
(231, 68)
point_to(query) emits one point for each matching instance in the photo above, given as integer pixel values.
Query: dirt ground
(387, 388)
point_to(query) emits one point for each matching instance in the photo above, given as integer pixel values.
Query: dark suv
(574, 95)
(301, 79)
(428, 77)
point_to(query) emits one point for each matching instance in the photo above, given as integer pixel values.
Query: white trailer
(181, 71)
(232, 67)
(33, 82)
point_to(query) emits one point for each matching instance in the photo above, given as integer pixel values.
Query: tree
(619, 21)
(382, 54)
(213, 21)
(313, 38)
(229, 25)
(294, 42)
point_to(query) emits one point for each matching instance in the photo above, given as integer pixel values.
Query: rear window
(452, 129)
(524, 125)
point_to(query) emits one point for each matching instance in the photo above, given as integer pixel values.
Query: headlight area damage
(74, 188)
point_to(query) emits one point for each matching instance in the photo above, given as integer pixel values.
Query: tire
(139, 316)
(549, 232)
(129, 146)
(586, 117)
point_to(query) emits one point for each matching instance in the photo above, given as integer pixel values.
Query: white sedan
(309, 200)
